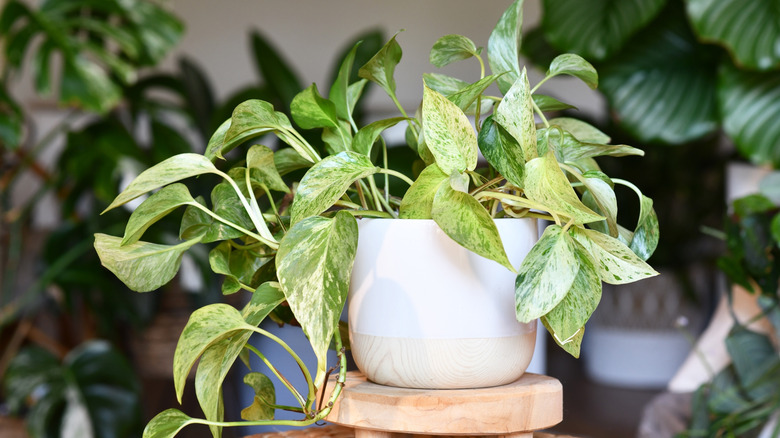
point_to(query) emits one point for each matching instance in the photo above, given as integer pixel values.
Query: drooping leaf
(504, 46)
(265, 397)
(448, 133)
(418, 200)
(515, 113)
(367, 135)
(600, 197)
(568, 318)
(546, 184)
(646, 234)
(571, 345)
(614, 261)
(568, 149)
(155, 208)
(546, 274)
(206, 326)
(326, 181)
(502, 151)
(381, 68)
(467, 222)
(574, 65)
(238, 265)
(169, 171)
(142, 266)
(217, 360)
(314, 265)
(451, 48)
(749, 105)
(166, 424)
(310, 110)
(663, 89)
(596, 29)
(753, 47)
(260, 161)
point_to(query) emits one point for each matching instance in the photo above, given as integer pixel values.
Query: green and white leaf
(418, 200)
(568, 149)
(166, 172)
(515, 113)
(314, 266)
(614, 261)
(549, 103)
(155, 208)
(468, 223)
(448, 133)
(167, 424)
(217, 139)
(546, 274)
(582, 131)
(260, 161)
(337, 139)
(365, 137)
(142, 266)
(601, 194)
(443, 84)
(571, 345)
(546, 184)
(646, 234)
(502, 151)
(568, 318)
(504, 46)
(381, 68)
(451, 48)
(326, 181)
(262, 407)
(288, 160)
(310, 110)
(206, 326)
(238, 265)
(466, 97)
(217, 360)
(574, 65)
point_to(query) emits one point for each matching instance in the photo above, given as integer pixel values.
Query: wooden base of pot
(533, 402)
(443, 363)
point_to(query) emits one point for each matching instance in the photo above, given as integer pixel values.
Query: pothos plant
(293, 241)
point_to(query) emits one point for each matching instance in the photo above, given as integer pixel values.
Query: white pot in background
(426, 313)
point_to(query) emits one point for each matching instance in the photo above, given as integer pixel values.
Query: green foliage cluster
(674, 71)
(282, 222)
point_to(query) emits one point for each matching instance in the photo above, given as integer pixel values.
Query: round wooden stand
(516, 410)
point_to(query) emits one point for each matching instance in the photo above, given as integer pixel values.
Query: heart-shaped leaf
(166, 424)
(722, 21)
(314, 266)
(142, 266)
(467, 222)
(262, 407)
(663, 89)
(546, 274)
(238, 265)
(515, 113)
(750, 105)
(546, 184)
(451, 48)
(155, 208)
(381, 68)
(364, 139)
(596, 29)
(310, 110)
(418, 200)
(574, 65)
(448, 133)
(504, 46)
(166, 172)
(326, 181)
(502, 151)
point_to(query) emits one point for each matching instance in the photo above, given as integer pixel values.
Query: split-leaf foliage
(300, 240)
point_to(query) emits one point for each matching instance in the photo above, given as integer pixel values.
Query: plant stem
(290, 387)
(370, 213)
(541, 114)
(255, 215)
(274, 244)
(375, 194)
(517, 200)
(398, 175)
(539, 84)
(292, 353)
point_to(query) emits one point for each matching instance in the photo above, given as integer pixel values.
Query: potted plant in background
(294, 241)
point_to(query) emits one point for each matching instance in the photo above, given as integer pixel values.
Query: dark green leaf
(198, 93)
(142, 266)
(451, 48)
(238, 265)
(723, 22)
(755, 361)
(314, 265)
(596, 29)
(502, 151)
(31, 369)
(466, 97)
(85, 85)
(546, 274)
(468, 223)
(568, 149)
(663, 88)
(11, 120)
(504, 46)
(326, 181)
(262, 407)
(749, 104)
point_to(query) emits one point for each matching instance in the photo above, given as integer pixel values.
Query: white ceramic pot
(426, 313)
